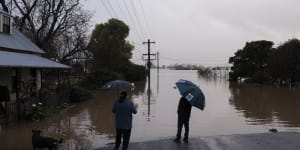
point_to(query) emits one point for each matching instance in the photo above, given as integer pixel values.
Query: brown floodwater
(230, 109)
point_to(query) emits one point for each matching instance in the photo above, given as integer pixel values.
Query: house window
(6, 24)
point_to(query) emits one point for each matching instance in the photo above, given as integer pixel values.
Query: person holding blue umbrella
(184, 113)
(191, 96)
(123, 110)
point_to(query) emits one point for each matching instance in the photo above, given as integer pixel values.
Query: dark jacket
(184, 108)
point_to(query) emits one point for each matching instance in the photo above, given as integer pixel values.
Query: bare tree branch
(4, 5)
(58, 26)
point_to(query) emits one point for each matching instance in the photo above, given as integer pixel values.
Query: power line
(137, 17)
(109, 13)
(107, 4)
(138, 59)
(169, 58)
(139, 44)
(133, 23)
(126, 18)
(122, 11)
(113, 10)
(144, 14)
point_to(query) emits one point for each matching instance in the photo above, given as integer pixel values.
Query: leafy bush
(36, 112)
(78, 94)
(205, 71)
(133, 72)
(39, 111)
(99, 77)
(261, 77)
(125, 71)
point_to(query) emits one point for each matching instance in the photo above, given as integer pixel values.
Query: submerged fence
(12, 113)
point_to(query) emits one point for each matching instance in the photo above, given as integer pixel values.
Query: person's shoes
(177, 140)
(186, 140)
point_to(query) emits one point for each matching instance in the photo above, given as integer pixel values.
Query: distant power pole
(157, 61)
(148, 60)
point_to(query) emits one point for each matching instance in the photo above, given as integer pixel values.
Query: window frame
(2, 16)
(1, 22)
(4, 24)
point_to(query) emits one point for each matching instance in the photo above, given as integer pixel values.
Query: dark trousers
(183, 121)
(125, 134)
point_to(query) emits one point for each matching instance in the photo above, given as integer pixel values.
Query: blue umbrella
(192, 93)
(117, 85)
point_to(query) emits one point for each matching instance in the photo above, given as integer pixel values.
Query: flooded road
(230, 109)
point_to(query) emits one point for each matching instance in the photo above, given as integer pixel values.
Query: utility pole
(148, 71)
(148, 60)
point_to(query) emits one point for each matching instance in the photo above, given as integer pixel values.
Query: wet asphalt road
(260, 141)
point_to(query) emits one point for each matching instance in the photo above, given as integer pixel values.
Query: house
(20, 60)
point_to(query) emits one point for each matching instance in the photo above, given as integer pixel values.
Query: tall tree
(2, 2)
(109, 46)
(285, 62)
(57, 26)
(251, 59)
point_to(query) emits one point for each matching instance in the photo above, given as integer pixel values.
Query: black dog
(39, 141)
(273, 130)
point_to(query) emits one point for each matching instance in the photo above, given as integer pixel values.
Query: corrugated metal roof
(12, 59)
(18, 41)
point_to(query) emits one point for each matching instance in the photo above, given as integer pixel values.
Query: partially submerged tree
(285, 62)
(57, 26)
(251, 59)
(261, 63)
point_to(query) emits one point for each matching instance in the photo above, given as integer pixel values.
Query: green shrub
(99, 77)
(260, 77)
(78, 94)
(133, 72)
(39, 111)
(36, 112)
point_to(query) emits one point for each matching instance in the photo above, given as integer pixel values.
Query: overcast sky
(204, 32)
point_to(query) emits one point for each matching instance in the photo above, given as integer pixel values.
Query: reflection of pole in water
(157, 66)
(157, 82)
(157, 61)
(149, 98)
(149, 87)
(149, 72)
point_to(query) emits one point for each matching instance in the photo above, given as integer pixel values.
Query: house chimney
(4, 6)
